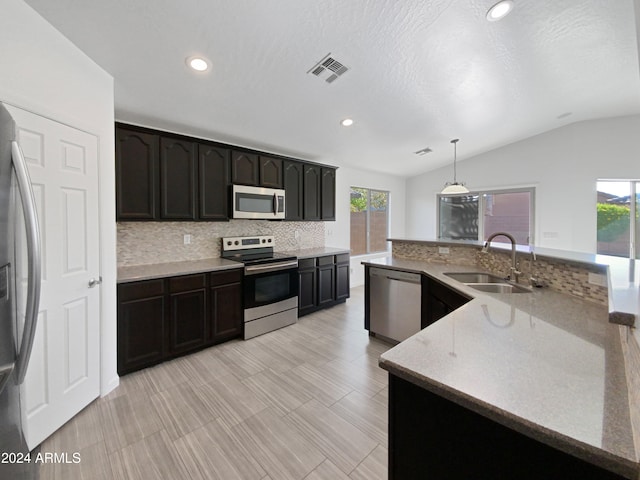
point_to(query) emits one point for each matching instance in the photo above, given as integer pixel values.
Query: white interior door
(63, 374)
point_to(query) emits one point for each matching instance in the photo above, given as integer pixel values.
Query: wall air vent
(328, 67)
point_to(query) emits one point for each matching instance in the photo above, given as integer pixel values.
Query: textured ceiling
(421, 72)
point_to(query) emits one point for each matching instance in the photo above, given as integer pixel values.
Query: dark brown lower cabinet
(141, 333)
(167, 317)
(187, 312)
(308, 291)
(434, 438)
(324, 282)
(225, 311)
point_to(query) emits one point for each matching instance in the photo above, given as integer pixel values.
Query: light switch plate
(443, 250)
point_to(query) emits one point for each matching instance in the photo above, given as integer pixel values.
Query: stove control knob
(263, 240)
(269, 240)
(229, 242)
(236, 242)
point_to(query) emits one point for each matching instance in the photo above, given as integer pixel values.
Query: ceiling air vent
(424, 151)
(328, 67)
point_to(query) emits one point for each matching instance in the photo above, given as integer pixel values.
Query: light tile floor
(305, 402)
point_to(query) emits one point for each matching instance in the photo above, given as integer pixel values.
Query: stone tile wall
(565, 277)
(142, 243)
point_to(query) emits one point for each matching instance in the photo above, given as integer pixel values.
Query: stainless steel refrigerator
(19, 297)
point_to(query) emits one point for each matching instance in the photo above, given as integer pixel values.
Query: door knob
(93, 282)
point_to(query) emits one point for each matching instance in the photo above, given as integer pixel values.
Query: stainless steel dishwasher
(394, 303)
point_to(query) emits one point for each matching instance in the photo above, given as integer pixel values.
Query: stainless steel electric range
(270, 283)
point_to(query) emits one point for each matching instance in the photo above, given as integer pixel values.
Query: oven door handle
(272, 267)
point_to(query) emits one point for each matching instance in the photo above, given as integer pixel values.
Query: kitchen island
(525, 385)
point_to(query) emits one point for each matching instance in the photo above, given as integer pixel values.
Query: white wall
(43, 72)
(337, 234)
(562, 164)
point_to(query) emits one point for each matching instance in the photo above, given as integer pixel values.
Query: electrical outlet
(187, 239)
(443, 250)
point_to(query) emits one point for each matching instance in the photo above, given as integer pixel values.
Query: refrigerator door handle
(34, 261)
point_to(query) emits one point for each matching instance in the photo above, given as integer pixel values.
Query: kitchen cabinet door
(187, 313)
(245, 168)
(326, 280)
(178, 179)
(342, 281)
(312, 182)
(328, 194)
(308, 288)
(270, 172)
(137, 175)
(213, 169)
(225, 306)
(293, 187)
(141, 319)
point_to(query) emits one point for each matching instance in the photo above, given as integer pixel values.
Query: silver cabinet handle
(93, 282)
(34, 261)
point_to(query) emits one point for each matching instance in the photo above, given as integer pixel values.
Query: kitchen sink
(475, 277)
(485, 282)
(498, 288)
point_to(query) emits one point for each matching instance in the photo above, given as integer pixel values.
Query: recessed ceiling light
(499, 10)
(199, 64)
(347, 122)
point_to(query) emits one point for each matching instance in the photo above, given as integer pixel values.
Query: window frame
(634, 248)
(368, 220)
(481, 208)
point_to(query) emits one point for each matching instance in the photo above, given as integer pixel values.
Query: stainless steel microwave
(257, 202)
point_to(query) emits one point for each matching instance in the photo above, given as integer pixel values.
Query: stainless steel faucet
(514, 272)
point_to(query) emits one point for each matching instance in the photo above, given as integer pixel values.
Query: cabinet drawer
(187, 282)
(306, 263)
(225, 277)
(342, 258)
(329, 260)
(144, 289)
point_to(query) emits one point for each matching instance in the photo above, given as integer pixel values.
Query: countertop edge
(590, 453)
(135, 273)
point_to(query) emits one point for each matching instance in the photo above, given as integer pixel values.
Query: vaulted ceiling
(420, 72)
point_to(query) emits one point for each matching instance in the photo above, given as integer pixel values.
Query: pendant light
(455, 187)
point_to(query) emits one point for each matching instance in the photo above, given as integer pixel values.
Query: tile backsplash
(562, 276)
(142, 243)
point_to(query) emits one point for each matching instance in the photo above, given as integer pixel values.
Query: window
(618, 205)
(369, 220)
(477, 215)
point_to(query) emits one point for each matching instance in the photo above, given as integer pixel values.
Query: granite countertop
(623, 273)
(136, 273)
(317, 252)
(543, 363)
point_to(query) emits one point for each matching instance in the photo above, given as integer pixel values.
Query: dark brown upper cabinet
(165, 176)
(137, 175)
(328, 194)
(256, 170)
(293, 186)
(245, 168)
(312, 179)
(270, 172)
(178, 183)
(213, 168)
